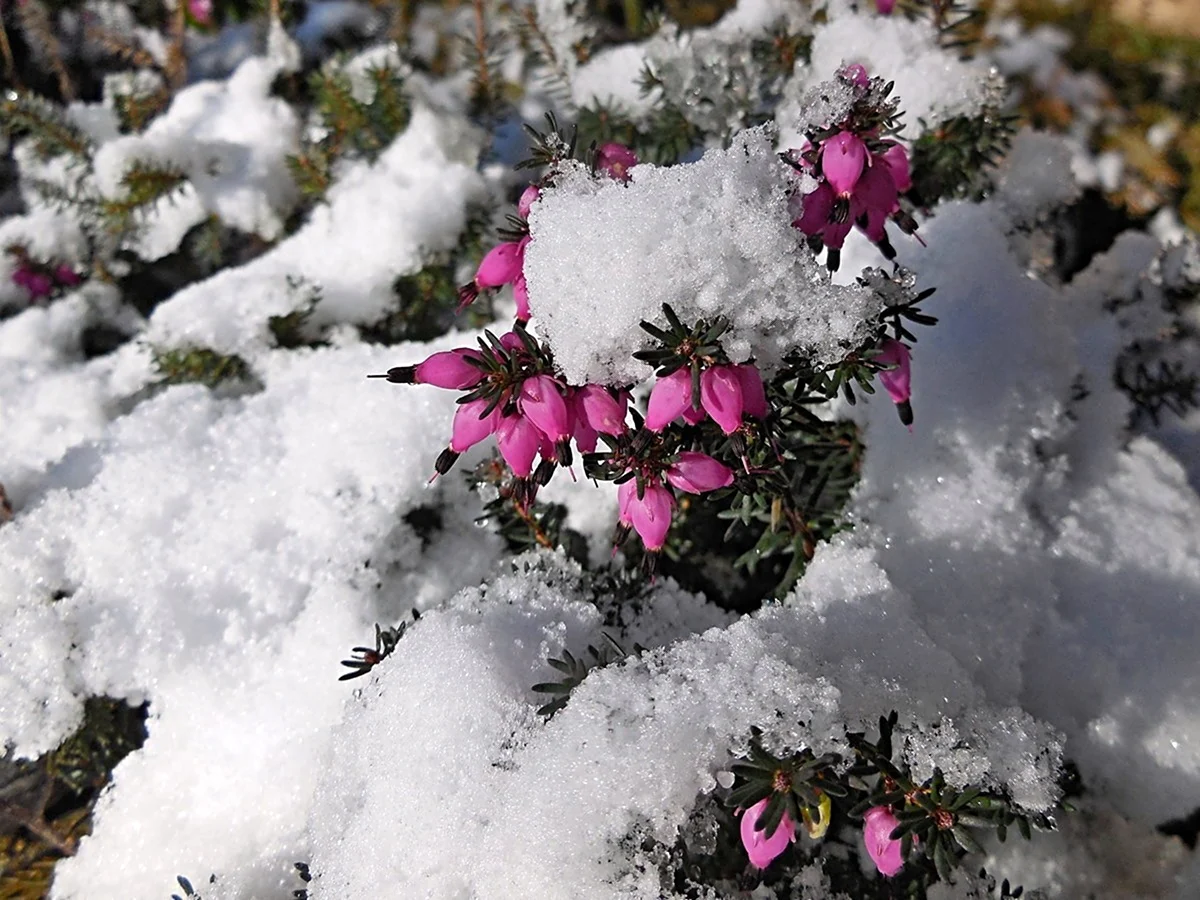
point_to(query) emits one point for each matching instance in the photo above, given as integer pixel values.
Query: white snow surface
(1023, 575)
(708, 238)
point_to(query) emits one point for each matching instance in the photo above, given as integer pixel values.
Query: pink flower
(503, 264)
(472, 423)
(878, 825)
(448, 369)
(699, 473)
(721, 396)
(761, 847)
(604, 413)
(896, 159)
(38, 284)
(754, 395)
(541, 402)
(898, 381)
(66, 276)
(670, 396)
(885, 7)
(519, 441)
(528, 197)
(650, 514)
(843, 158)
(201, 11)
(616, 160)
(856, 74)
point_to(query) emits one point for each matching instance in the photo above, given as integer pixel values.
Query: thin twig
(176, 57)
(10, 67)
(39, 32)
(483, 83)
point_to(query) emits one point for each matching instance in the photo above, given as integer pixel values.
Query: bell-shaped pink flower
(521, 296)
(669, 397)
(721, 396)
(898, 381)
(885, 7)
(542, 403)
(529, 196)
(472, 425)
(584, 434)
(754, 394)
(878, 825)
(856, 74)
(699, 473)
(650, 515)
(519, 441)
(896, 160)
(626, 494)
(449, 369)
(603, 412)
(761, 848)
(615, 160)
(843, 158)
(201, 11)
(501, 265)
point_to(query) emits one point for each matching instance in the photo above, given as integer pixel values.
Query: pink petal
(651, 515)
(541, 402)
(876, 190)
(843, 158)
(878, 825)
(521, 295)
(469, 429)
(670, 396)
(449, 369)
(616, 160)
(626, 494)
(502, 265)
(699, 473)
(896, 159)
(885, 7)
(528, 197)
(602, 411)
(519, 441)
(816, 210)
(721, 395)
(754, 395)
(898, 381)
(762, 849)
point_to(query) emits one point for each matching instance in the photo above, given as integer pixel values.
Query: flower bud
(448, 369)
(669, 397)
(761, 847)
(528, 197)
(519, 440)
(542, 404)
(878, 825)
(721, 396)
(604, 413)
(502, 265)
(699, 473)
(651, 515)
(898, 381)
(616, 160)
(843, 158)
(754, 394)
(472, 423)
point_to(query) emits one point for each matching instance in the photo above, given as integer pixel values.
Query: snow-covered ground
(1022, 582)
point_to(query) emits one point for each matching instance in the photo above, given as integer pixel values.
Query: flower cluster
(861, 173)
(41, 281)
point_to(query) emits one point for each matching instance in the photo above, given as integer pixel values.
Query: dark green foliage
(53, 135)
(1169, 387)
(575, 670)
(199, 365)
(111, 730)
(957, 159)
(353, 128)
(291, 330)
(368, 658)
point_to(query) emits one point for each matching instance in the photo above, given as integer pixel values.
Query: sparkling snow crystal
(710, 238)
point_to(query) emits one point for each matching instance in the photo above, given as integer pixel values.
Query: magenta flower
(898, 381)
(885, 7)
(38, 284)
(843, 158)
(699, 473)
(856, 74)
(66, 276)
(472, 423)
(721, 397)
(448, 369)
(650, 514)
(503, 264)
(896, 159)
(603, 412)
(761, 847)
(878, 825)
(201, 11)
(541, 402)
(528, 197)
(616, 160)
(754, 395)
(669, 398)
(519, 441)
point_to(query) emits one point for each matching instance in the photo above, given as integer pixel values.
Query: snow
(708, 238)
(1020, 583)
